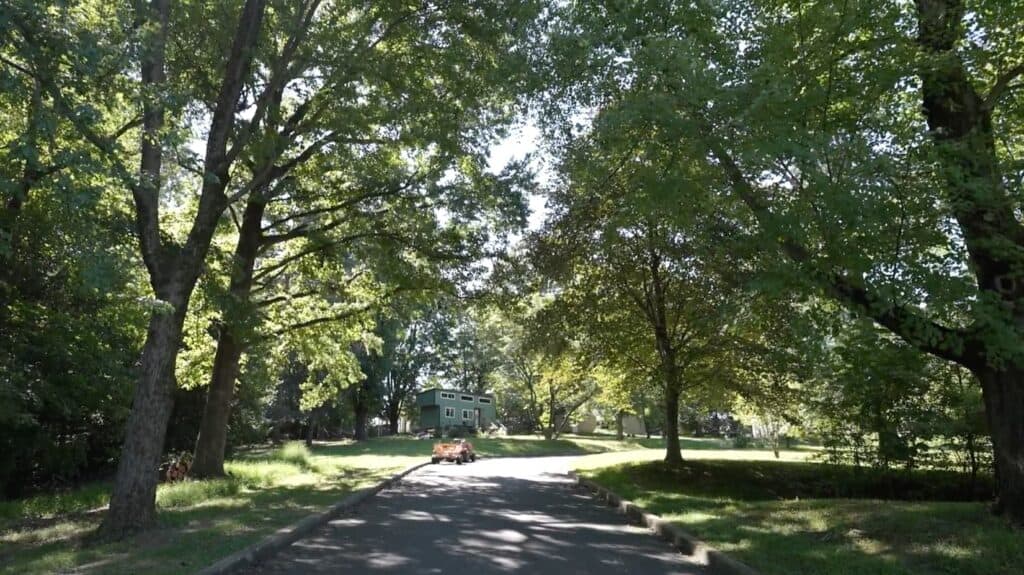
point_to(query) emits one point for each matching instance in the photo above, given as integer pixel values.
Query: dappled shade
(481, 518)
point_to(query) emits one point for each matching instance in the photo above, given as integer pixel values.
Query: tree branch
(309, 251)
(917, 330)
(1003, 86)
(320, 320)
(387, 192)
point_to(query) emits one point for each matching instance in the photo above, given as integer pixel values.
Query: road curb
(718, 563)
(285, 536)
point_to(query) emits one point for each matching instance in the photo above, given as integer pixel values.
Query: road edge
(285, 536)
(718, 563)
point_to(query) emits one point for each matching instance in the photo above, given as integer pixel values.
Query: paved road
(517, 515)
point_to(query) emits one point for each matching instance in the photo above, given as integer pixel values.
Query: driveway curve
(515, 515)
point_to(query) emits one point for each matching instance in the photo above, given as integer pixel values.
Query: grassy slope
(751, 511)
(202, 521)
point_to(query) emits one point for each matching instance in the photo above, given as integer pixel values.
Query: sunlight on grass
(638, 455)
(295, 453)
(191, 492)
(83, 498)
(62, 530)
(200, 521)
(735, 507)
(269, 487)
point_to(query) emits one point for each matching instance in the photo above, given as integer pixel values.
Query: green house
(441, 408)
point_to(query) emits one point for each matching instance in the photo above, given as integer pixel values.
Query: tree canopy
(243, 219)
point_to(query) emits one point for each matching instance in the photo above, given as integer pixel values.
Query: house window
(484, 400)
(449, 412)
(468, 398)
(467, 414)
(447, 395)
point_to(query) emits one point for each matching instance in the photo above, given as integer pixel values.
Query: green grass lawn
(773, 516)
(202, 521)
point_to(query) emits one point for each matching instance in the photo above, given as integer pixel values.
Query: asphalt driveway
(516, 515)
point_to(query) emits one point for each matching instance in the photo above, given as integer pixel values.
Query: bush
(742, 441)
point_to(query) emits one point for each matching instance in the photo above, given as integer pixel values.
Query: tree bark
(212, 440)
(173, 270)
(619, 415)
(1004, 397)
(394, 414)
(673, 456)
(655, 309)
(312, 423)
(133, 502)
(960, 120)
(208, 460)
(362, 413)
(549, 429)
(361, 406)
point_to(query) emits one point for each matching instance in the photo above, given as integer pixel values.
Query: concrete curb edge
(285, 536)
(717, 562)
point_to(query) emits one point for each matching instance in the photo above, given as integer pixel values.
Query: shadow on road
(477, 519)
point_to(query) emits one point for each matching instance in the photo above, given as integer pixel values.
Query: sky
(520, 142)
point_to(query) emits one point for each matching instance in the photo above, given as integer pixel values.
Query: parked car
(460, 451)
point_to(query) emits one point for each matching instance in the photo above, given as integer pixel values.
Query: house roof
(456, 391)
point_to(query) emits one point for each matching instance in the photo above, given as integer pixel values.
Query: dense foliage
(234, 221)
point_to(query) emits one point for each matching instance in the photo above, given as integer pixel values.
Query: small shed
(633, 425)
(587, 424)
(441, 408)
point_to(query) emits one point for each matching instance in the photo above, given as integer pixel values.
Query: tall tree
(644, 286)
(386, 165)
(892, 189)
(173, 261)
(411, 357)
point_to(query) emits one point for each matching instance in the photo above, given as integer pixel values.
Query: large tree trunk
(1004, 400)
(133, 502)
(619, 415)
(362, 413)
(673, 456)
(961, 126)
(549, 429)
(394, 414)
(210, 445)
(213, 431)
(361, 408)
(173, 270)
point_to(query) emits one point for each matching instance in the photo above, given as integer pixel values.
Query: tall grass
(295, 453)
(83, 498)
(293, 459)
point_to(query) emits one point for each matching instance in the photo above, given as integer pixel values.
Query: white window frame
(447, 395)
(467, 415)
(449, 413)
(468, 398)
(485, 400)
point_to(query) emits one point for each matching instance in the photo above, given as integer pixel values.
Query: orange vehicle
(460, 451)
